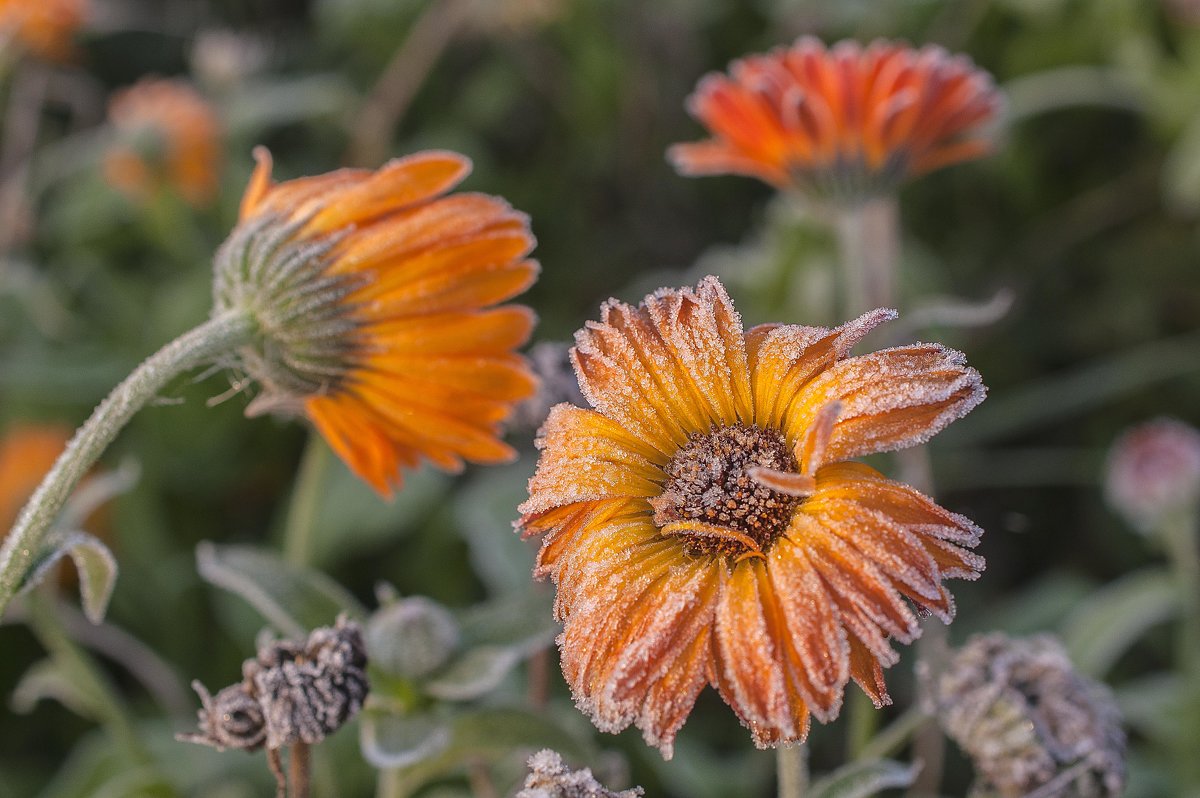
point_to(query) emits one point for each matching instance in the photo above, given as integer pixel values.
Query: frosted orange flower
(43, 27)
(167, 135)
(375, 300)
(841, 123)
(703, 525)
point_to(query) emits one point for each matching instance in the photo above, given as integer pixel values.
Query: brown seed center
(710, 499)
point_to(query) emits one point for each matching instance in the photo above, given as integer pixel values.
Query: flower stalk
(869, 243)
(210, 340)
(792, 765)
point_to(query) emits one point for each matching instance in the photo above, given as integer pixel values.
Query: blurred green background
(1087, 216)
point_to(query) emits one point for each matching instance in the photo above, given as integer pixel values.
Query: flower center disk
(710, 499)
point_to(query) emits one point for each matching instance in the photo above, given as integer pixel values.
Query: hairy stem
(792, 767)
(298, 771)
(869, 243)
(306, 501)
(211, 339)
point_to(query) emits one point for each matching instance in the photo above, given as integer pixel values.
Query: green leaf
(475, 673)
(1147, 703)
(1113, 618)
(863, 779)
(95, 563)
(47, 679)
(293, 600)
(524, 620)
(390, 740)
(484, 515)
(488, 735)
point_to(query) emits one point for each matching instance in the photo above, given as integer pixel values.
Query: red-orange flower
(375, 298)
(703, 525)
(43, 27)
(167, 134)
(841, 123)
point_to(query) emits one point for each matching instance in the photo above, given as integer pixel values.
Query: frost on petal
(785, 358)
(890, 399)
(588, 457)
(751, 671)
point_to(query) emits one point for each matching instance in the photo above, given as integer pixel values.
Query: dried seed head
(1154, 471)
(549, 777)
(231, 719)
(291, 692)
(412, 637)
(1030, 722)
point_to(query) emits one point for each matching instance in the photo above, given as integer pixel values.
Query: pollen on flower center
(709, 486)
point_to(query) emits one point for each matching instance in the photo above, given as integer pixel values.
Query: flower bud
(1154, 472)
(412, 638)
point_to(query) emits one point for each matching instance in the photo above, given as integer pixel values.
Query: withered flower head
(375, 298)
(45, 28)
(549, 777)
(1030, 722)
(702, 524)
(1154, 471)
(291, 692)
(167, 136)
(841, 123)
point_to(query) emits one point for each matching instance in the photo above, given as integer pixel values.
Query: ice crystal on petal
(652, 508)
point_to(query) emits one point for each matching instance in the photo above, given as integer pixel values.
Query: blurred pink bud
(1154, 471)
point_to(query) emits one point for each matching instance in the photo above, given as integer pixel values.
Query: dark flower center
(710, 499)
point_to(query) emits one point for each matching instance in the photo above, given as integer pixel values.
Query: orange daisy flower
(703, 525)
(375, 298)
(167, 135)
(43, 27)
(840, 123)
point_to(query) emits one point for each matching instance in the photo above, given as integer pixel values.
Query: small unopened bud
(290, 693)
(412, 637)
(549, 777)
(1154, 472)
(1031, 724)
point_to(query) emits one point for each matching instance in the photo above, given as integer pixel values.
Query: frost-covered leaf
(46, 679)
(524, 620)
(488, 735)
(293, 600)
(864, 779)
(95, 563)
(477, 672)
(390, 740)
(1113, 618)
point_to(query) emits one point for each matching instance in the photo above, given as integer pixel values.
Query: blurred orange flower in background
(167, 135)
(45, 28)
(703, 527)
(375, 297)
(27, 451)
(842, 123)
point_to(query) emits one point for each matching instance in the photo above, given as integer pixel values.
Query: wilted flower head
(549, 777)
(1154, 471)
(167, 136)
(843, 123)
(1030, 722)
(42, 27)
(375, 297)
(293, 691)
(703, 526)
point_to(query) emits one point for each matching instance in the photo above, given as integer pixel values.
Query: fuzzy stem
(861, 724)
(306, 500)
(869, 242)
(792, 767)
(211, 339)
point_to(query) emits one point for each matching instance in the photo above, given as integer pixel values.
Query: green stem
(306, 500)
(1179, 534)
(792, 767)
(202, 344)
(390, 784)
(869, 243)
(893, 736)
(862, 718)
